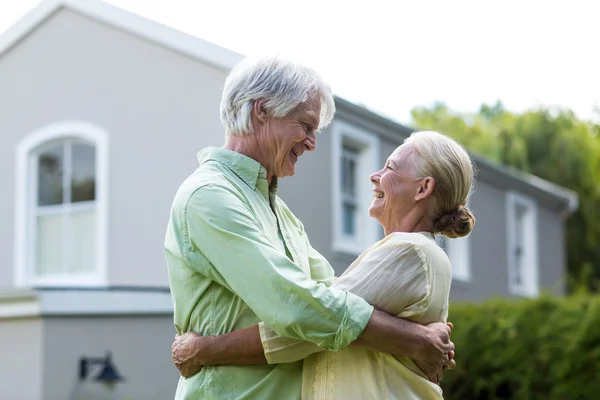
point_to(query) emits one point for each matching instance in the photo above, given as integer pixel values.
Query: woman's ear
(425, 188)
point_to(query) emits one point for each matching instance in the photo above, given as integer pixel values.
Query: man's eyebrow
(312, 120)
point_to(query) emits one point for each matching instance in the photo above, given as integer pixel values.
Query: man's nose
(311, 142)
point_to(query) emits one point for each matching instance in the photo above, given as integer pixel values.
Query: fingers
(433, 378)
(450, 325)
(450, 364)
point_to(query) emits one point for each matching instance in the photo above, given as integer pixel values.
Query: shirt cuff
(280, 349)
(355, 321)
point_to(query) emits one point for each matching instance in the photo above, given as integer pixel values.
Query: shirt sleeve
(221, 227)
(281, 349)
(394, 277)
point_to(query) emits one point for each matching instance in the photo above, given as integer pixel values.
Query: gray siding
(21, 368)
(141, 352)
(158, 106)
(308, 194)
(488, 246)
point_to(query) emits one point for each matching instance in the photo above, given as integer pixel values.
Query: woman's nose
(375, 177)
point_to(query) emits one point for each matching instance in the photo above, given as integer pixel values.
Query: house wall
(21, 362)
(141, 353)
(159, 107)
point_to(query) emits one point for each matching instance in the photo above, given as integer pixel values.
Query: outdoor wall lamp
(109, 375)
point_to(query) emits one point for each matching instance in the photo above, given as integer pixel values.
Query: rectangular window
(459, 253)
(522, 241)
(349, 162)
(355, 158)
(65, 210)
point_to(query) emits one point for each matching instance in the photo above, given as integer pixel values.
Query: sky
(391, 56)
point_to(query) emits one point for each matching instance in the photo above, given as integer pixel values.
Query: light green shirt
(234, 261)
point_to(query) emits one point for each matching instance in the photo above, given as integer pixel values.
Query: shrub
(544, 348)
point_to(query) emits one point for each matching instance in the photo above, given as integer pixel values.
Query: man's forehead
(310, 110)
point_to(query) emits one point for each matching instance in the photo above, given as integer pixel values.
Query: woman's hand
(186, 352)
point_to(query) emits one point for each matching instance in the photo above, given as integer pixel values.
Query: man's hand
(185, 352)
(437, 352)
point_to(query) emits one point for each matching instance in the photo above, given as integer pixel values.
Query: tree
(550, 143)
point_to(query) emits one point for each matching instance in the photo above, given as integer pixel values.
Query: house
(102, 115)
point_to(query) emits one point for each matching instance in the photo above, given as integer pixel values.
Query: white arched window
(61, 206)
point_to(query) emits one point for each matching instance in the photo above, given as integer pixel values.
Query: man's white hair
(282, 84)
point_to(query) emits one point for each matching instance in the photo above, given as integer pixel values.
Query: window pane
(442, 241)
(520, 214)
(349, 219)
(348, 164)
(83, 179)
(83, 236)
(49, 244)
(50, 176)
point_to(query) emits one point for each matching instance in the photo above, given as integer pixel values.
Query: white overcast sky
(394, 55)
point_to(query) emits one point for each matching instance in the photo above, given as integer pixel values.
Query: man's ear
(259, 111)
(425, 188)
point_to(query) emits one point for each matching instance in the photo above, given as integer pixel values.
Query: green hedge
(547, 348)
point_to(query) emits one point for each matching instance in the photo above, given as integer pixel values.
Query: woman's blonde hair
(449, 164)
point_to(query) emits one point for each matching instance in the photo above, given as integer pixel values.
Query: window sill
(522, 292)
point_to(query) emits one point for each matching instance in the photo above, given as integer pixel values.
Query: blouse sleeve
(394, 277)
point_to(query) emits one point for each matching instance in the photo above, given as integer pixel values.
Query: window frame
(530, 286)
(26, 203)
(459, 254)
(367, 228)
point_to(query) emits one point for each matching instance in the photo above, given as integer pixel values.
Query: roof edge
(124, 20)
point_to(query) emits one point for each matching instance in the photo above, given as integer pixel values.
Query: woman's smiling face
(395, 188)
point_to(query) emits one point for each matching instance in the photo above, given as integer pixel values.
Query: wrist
(422, 341)
(204, 354)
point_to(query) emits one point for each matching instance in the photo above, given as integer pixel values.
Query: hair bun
(456, 223)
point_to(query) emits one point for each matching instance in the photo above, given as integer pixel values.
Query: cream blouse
(404, 274)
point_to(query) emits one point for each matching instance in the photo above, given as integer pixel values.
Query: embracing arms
(429, 346)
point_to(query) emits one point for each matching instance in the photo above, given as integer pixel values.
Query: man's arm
(222, 239)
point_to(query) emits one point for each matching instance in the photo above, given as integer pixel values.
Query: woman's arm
(192, 351)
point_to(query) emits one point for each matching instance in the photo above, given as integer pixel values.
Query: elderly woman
(421, 191)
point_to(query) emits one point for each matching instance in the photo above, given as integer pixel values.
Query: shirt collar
(246, 168)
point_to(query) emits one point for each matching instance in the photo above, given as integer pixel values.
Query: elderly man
(237, 256)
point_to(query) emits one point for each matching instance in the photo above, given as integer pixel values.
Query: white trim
(458, 251)
(367, 228)
(19, 304)
(23, 197)
(87, 303)
(530, 275)
(170, 38)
